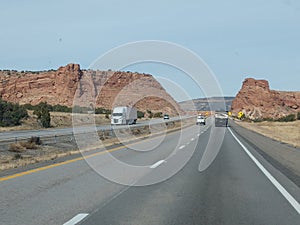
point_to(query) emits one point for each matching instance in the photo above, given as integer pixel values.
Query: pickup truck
(200, 120)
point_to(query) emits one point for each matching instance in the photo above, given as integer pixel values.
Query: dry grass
(19, 155)
(22, 146)
(58, 120)
(287, 132)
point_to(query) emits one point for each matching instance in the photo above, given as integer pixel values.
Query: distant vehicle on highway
(123, 115)
(221, 119)
(166, 117)
(200, 120)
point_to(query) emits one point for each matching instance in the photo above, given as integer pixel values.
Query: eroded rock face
(256, 100)
(69, 85)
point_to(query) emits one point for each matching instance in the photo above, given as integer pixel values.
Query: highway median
(23, 152)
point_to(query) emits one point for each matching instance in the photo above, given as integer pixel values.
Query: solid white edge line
(76, 219)
(182, 146)
(280, 188)
(157, 164)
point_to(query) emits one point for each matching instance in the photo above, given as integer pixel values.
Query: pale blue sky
(237, 39)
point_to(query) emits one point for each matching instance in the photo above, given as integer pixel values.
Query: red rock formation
(55, 87)
(69, 85)
(256, 100)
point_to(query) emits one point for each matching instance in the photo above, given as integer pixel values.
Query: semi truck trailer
(221, 119)
(123, 115)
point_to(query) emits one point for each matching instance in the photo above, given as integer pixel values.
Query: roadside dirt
(66, 146)
(286, 132)
(58, 120)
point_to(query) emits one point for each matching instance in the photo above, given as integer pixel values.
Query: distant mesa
(256, 101)
(69, 85)
(208, 104)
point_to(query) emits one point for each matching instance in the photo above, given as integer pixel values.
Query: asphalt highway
(21, 134)
(166, 186)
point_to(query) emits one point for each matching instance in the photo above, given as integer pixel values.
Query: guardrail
(66, 135)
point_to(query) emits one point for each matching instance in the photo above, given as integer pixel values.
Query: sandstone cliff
(256, 100)
(69, 85)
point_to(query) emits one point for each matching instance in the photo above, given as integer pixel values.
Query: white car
(200, 120)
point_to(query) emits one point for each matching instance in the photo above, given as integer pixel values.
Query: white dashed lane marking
(76, 219)
(157, 164)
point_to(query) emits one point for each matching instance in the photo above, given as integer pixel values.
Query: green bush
(55, 108)
(157, 115)
(43, 114)
(288, 118)
(102, 111)
(298, 116)
(150, 114)
(36, 140)
(258, 120)
(80, 109)
(140, 114)
(269, 119)
(61, 108)
(29, 106)
(11, 114)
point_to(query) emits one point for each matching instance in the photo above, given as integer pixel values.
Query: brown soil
(286, 132)
(58, 120)
(67, 147)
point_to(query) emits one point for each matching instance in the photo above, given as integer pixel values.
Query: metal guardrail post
(72, 136)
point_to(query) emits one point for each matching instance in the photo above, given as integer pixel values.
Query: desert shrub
(102, 111)
(157, 115)
(55, 108)
(28, 145)
(140, 114)
(270, 119)
(136, 131)
(29, 106)
(17, 156)
(61, 108)
(150, 114)
(35, 140)
(16, 147)
(288, 118)
(298, 116)
(23, 145)
(80, 109)
(11, 114)
(43, 114)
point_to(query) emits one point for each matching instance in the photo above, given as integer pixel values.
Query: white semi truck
(123, 115)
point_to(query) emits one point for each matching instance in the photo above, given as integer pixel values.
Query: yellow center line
(9, 177)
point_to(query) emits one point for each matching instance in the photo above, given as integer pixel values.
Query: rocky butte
(69, 85)
(256, 100)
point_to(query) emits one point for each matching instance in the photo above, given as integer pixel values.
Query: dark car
(221, 119)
